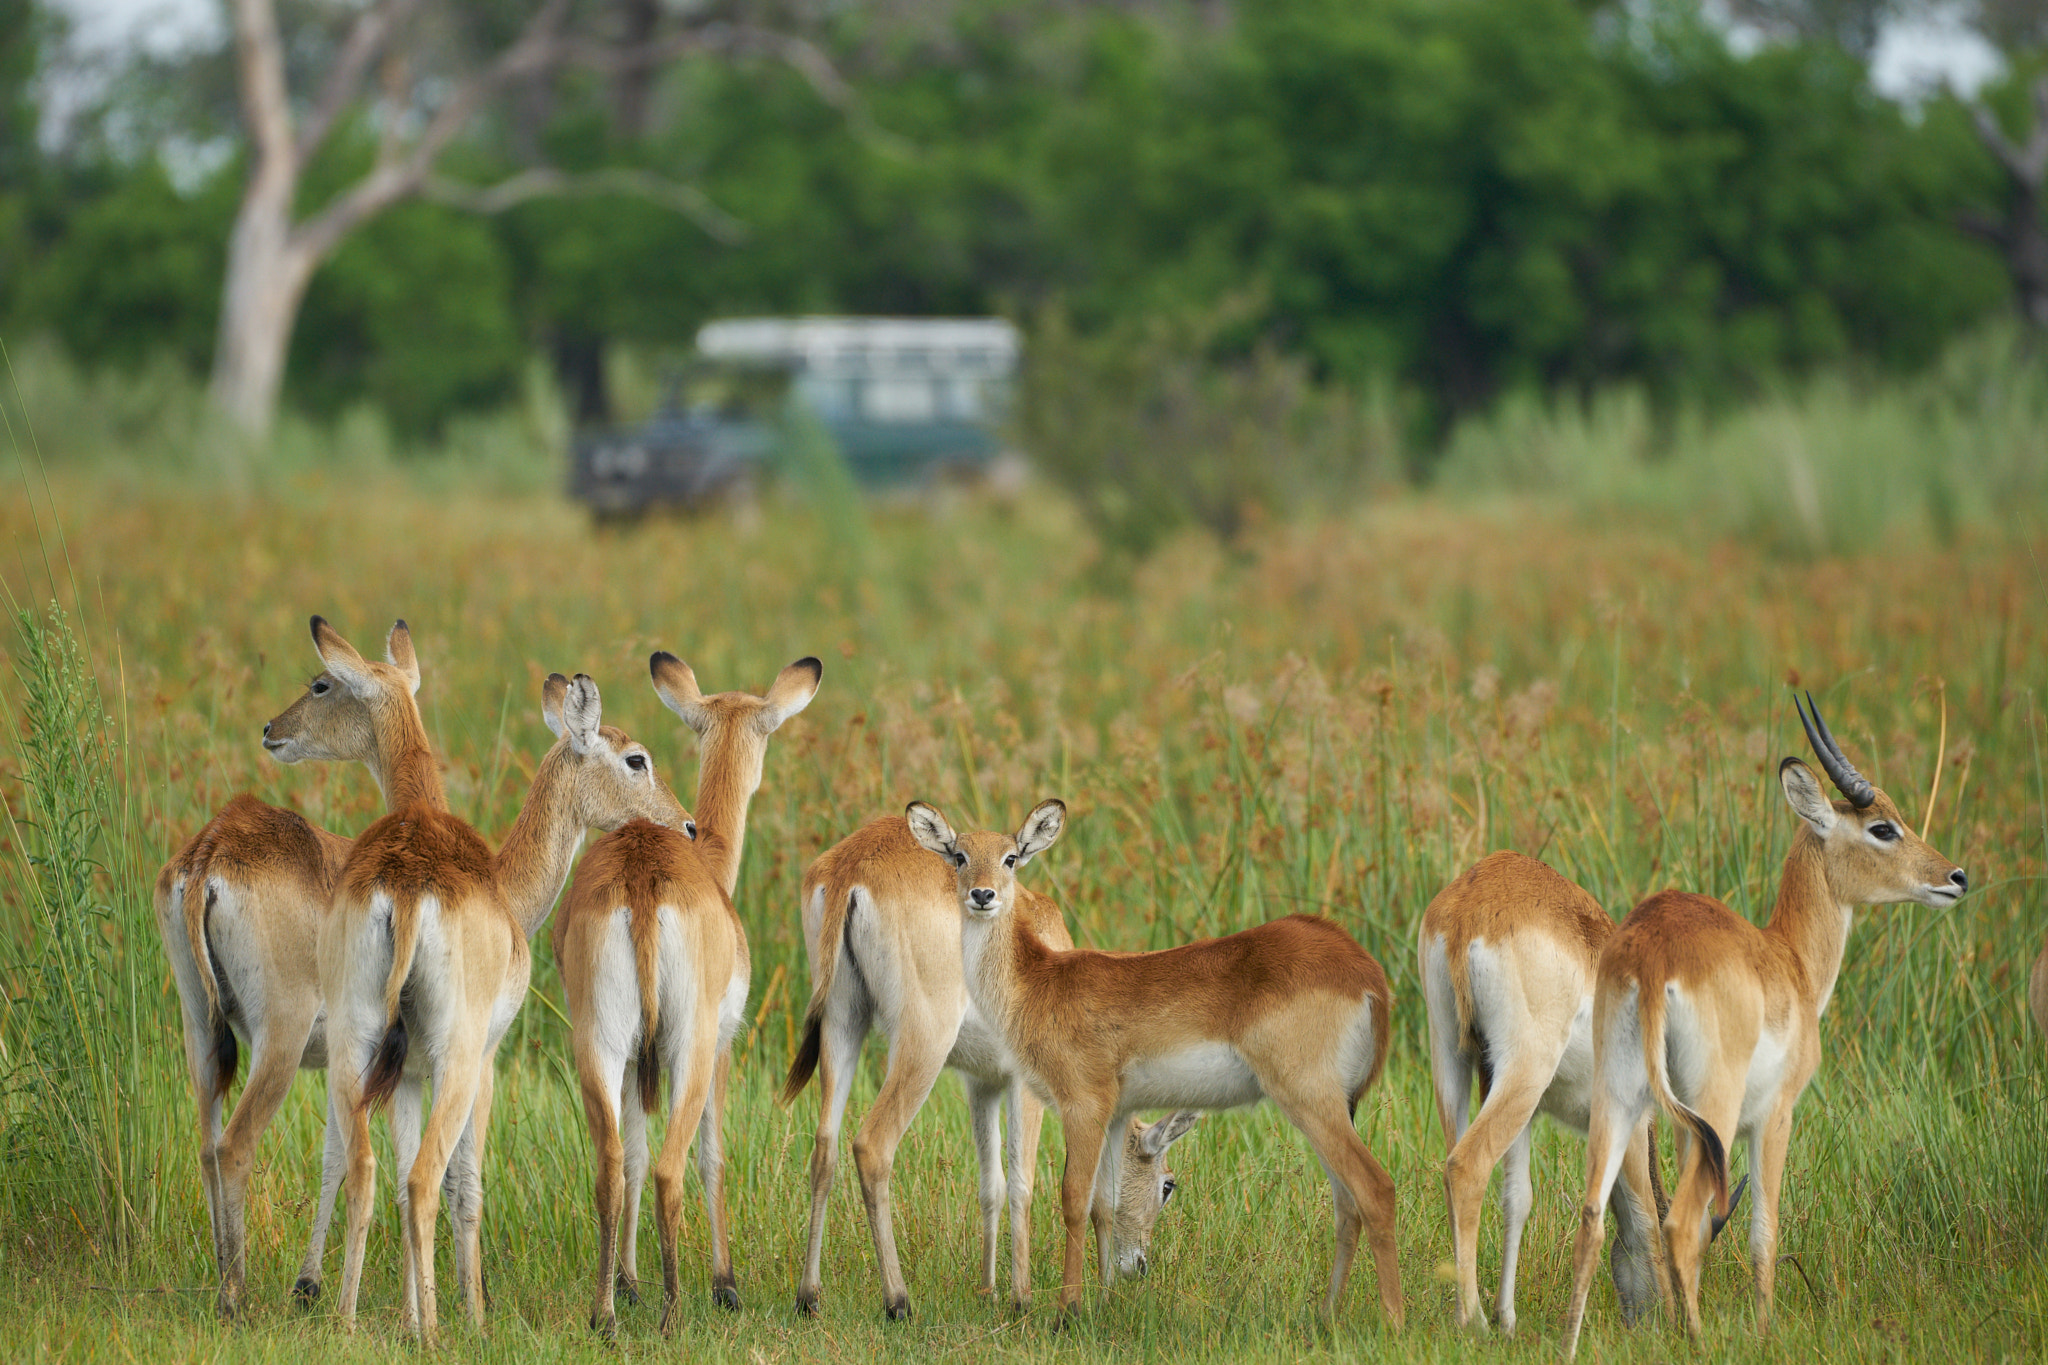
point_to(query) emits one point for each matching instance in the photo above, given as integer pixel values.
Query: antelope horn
(1851, 783)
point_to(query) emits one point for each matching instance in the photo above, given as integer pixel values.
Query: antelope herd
(398, 960)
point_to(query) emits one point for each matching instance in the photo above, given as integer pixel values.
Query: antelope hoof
(306, 1291)
(224, 1307)
(606, 1326)
(807, 1303)
(896, 1310)
(629, 1290)
(726, 1296)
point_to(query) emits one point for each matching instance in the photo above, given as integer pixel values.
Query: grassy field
(1335, 715)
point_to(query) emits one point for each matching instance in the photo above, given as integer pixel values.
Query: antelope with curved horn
(654, 962)
(1507, 954)
(239, 909)
(1717, 1022)
(882, 928)
(424, 962)
(1293, 1011)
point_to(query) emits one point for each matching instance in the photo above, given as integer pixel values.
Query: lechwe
(427, 944)
(882, 927)
(1293, 1011)
(654, 962)
(1507, 955)
(1717, 1022)
(242, 950)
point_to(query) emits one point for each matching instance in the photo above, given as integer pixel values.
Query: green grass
(1334, 714)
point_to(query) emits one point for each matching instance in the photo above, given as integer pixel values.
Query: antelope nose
(1142, 1266)
(982, 896)
(266, 729)
(1961, 879)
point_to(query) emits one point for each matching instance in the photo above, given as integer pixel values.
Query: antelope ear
(930, 829)
(1154, 1139)
(398, 653)
(676, 685)
(1803, 792)
(582, 713)
(553, 693)
(790, 693)
(1041, 828)
(349, 668)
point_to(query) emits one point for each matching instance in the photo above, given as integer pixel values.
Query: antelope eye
(1883, 832)
(637, 762)
(1166, 1190)
(320, 686)
(959, 859)
(1010, 860)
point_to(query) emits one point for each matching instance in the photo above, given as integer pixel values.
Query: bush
(1150, 434)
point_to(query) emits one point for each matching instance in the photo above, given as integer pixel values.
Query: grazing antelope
(882, 928)
(1293, 1011)
(1717, 1022)
(424, 962)
(654, 962)
(239, 909)
(1507, 955)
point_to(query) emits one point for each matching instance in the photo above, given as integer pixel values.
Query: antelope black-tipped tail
(1713, 1154)
(386, 1066)
(805, 1064)
(649, 1070)
(227, 1055)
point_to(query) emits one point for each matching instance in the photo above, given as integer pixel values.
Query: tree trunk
(2021, 234)
(267, 269)
(267, 273)
(271, 257)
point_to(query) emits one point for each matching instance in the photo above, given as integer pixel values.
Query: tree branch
(542, 46)
(372, 29)
(1984, 227)
(734, 40)
(392, 179)
(2027, 165)
(687, 200)
(259, 60)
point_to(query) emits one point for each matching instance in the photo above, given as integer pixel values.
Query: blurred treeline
(1436, 202)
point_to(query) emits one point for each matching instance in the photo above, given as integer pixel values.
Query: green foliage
(415, 308)
(74, 1055)
(133, 272)
(1463, 199)
(1150, 436)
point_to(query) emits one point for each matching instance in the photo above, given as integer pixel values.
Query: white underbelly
(1204, 1076)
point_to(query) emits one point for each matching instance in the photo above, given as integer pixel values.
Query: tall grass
(76, 1052)
(1337, 712)
(1826, 466)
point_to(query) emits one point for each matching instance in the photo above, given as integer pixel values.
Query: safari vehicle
(906, 400)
